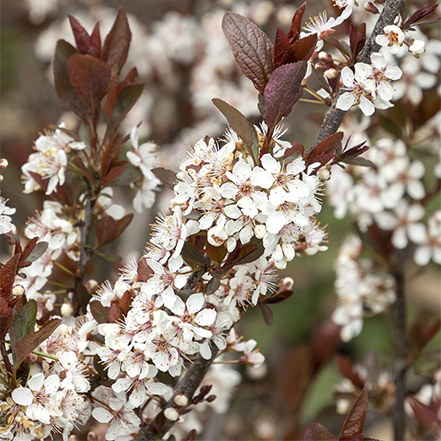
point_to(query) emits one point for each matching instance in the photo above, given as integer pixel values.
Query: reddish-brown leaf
(354, 422)
(316, 432)
(90, 77)
(115, 313)
(5, 316)
(217, 254)
(116, 46)
(167, 177)
(126, 301)
(111, 153)
(296, 24)
(325, 339)
(144, 271)
(267, 314)
(424, 414)
(67, 94)
(28, 343)
(100, 313)
(347, 370)
(325, 147)
(295, 148)
(279, 297)
(122, 224)
(114, 173)
(281, 45)
(86, 44)
(283, 90)
(8, 272)
(106, 230)
(132, 78)
(294, 376)
(301, 50)
(252, 49)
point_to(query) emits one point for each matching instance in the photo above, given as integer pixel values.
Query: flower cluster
(362, 288)
(372, 81)
(50, 160)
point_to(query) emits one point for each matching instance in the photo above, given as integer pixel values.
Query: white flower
(429, 247)
(142, 156)
(74, 372)
(358, 85)
(321, 25)
(392, 38)
(5, 221)
(382, 74)
(123, 421)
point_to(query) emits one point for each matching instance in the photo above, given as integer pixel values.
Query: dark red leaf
(347, 370)
(296, 24)
(28, 343)
(5, 316)
(316, 432)
(106, 230)
(8, 271)
(252, 49)
(279, 297)
(237, 121)
(144, 271)
(122, 224)
(90, 77)
(111, 153)
(327, 146)
(267, 314)
(116, 46)
(296, 148)
(86, 44)
(283, 90)
(301, 50)
(217, 254)
(115, 313)
(167, 177)
(113, 173)
(424, 414)
(126, 301)
(356, 417)
(281, 45)
(100, 313)
(67, 94)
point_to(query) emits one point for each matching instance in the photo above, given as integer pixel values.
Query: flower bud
(417, 47)
(171, 414)
(67, 310)
(286, 283)
(260, 231)
(91, 286)
(331, 73)
(18, 290)
(370, 7)
(3, 163)
(181, 400)
(320, 66)
(324, 56)
(324, 174)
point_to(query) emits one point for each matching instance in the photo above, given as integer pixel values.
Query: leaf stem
(43, 354)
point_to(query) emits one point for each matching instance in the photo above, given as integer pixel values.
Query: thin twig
(334, 116)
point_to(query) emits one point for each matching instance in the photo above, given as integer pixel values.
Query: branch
(334, 116)
(187, 386)
(84, 250)
(401, 363)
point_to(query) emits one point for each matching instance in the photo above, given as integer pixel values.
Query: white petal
(275, 222)
(101, 415)
(22, 396)
(206, 317)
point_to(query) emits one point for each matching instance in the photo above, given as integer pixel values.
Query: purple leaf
(252, 49)
(283, 90)
(316, 432)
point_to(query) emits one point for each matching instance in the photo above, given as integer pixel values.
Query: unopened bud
(64, 329)
(3, 163)
(324, 56)
(181, 400)
(91, 286)
(67, 310)
(324, 174)
(417, 47)
(92, 436)
(370, 7)
(331, 73)
(320, 66)
(171, 414)
(73, 438)
(211, 398)
(18, 290)
(286, 283)
(260, 231)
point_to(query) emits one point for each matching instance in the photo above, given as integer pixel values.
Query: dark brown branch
(84, 250)
(399, 315)
(334, 116)
(186, 386)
